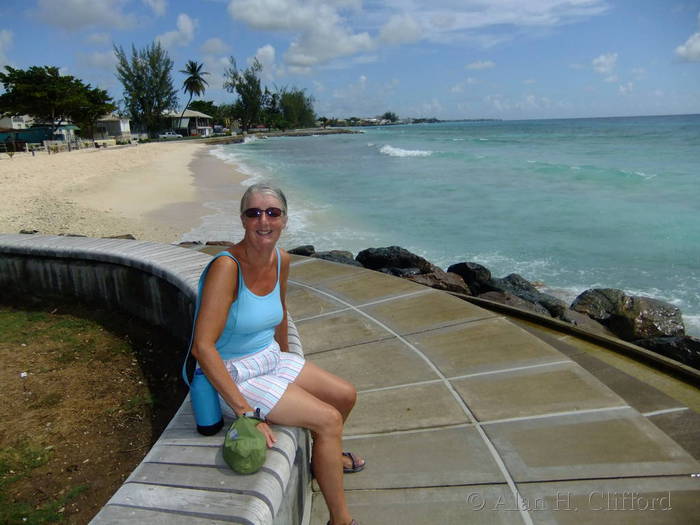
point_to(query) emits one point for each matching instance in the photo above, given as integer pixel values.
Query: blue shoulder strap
(199, 302)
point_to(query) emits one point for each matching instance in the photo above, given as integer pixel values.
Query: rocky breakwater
(644, 321)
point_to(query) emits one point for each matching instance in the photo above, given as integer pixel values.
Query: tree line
(148, 93)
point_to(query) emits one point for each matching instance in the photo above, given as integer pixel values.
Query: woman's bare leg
(332, 389)
(300, 408)
(327, 387)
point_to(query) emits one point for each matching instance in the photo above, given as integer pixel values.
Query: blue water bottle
(205, 404)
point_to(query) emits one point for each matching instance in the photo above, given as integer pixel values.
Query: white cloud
(266, 57)
(73, 15)
(444, 20)
(182, 36)
(401, 29)
(321, 33)
(605, 64)
(6, 37)
(626, 89)
(99, 60)
(529, 82)
(99, 39)
(215, 46)
(481, 64)
(690, 51)
(431, 109)
(459, 88)
(352, 91)
(157, 6)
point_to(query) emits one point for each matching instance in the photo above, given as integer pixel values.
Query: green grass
(71, 337)
(16, 463)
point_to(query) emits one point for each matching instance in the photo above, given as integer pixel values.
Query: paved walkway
(466, 416)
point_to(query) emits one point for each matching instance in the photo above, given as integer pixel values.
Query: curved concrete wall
(157, 283)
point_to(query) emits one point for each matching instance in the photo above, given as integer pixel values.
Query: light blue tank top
(252, 319)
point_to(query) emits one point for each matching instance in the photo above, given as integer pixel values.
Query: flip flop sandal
(356, 467)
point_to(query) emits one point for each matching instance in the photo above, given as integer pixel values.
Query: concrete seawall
(183, 478)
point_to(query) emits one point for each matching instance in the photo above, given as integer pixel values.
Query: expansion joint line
(522, 505)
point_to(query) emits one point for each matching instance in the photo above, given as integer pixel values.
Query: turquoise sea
(579, 203)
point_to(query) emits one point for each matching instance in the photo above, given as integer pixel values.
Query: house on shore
(113, 127)
(194, 123)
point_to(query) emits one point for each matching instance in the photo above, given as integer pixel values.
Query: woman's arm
(217, 296)
(281, 335)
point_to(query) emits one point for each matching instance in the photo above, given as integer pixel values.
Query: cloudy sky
(508, 59)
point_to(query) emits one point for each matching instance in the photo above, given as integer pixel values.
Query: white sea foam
(231, 157)
(398, 152)
(692, 325)
(249, 139)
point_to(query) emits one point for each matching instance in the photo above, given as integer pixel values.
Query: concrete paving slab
(667, 500)
(317, 271)
(483, 346)
(373, 365)
(435, 309)
(370, 286)
(683, 427)
(534, 391)
(611, 443)
(637, 393)
(404, 408)
(686, 393)
(475, 505)
(303, 302)
(339, 330)
(433, 458)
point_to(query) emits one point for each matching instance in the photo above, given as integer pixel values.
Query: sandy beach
(155, 191)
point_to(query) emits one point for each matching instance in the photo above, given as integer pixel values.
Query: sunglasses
(253, 213)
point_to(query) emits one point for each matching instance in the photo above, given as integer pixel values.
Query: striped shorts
(263, 377)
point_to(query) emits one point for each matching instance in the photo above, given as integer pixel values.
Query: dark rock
(644, 318)
(475, 275)
(125, 236)
(400, 272)
(307, 250)
(441, 280)
(630, 317)
(338, 256)
(28, 232)
(189, 244)
(81, 235)
(516, 302)
(585, 323)
(685, 349)
(519, 286)
(392, 257)
(219, 243)
(600, 303)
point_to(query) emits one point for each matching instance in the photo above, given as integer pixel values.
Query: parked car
(169, 135)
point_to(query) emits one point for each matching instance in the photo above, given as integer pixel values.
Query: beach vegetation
(246, 84)
(146, 76)
(49, 97)
(208, 108)
(194, 84)
(297, 108)
(390, 116)
(95, 104)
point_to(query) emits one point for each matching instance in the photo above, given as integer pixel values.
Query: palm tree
(193, 84)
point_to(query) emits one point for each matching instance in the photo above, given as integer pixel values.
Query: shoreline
(157, 192)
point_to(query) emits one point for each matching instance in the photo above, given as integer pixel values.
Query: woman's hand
(267, 432)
